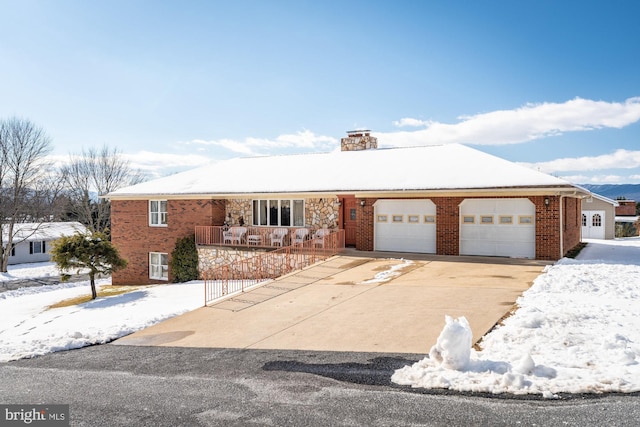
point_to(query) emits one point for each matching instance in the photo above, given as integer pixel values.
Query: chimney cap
(361, 131)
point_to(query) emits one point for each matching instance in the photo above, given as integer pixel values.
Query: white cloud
(527, 123)
(619, 159)
(253, 146)
(407, 121)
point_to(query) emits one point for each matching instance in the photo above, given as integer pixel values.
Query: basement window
(158, 266)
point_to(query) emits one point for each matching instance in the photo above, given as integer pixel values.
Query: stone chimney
(358, 140)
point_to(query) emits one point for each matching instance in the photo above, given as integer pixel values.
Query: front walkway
(338, 305)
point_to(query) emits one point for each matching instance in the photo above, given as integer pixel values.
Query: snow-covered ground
(29, 328)
(576, 330)
(26, 271)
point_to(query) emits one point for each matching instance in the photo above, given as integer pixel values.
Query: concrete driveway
(339, 305)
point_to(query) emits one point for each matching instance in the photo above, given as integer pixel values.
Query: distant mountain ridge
(613, 191)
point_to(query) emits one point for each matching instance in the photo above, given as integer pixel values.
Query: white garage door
(405, 226)
(498, 227)
(593, 224)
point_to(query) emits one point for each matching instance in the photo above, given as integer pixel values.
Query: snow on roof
(30, 231)
(605, 199)
(441, 167)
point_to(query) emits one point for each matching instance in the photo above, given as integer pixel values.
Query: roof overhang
(569, 191)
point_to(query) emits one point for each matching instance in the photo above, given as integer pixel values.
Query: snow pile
(453, 347)
(390, 273)
(577, 330)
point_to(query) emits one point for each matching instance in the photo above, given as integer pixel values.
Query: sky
(575, 330)
(176, 85)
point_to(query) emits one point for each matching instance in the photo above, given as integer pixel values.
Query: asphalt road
(111, 385)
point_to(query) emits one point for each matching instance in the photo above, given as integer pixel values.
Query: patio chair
(300, 235)
(319, 235)
(278, 235)
(234, 235)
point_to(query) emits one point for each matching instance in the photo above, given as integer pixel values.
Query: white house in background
(598, 217)
(32, 241)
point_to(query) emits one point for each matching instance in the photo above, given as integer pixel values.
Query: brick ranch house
(446, 200)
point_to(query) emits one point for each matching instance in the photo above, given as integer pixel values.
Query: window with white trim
(158, 213)
(158, 266)
(37, 247)
(279, 213)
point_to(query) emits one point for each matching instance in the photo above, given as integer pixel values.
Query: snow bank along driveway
(576, 330)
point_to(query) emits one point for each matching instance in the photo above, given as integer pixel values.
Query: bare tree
(23, 150)
(91, 174)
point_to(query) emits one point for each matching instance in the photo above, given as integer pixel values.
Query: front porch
(257, 237)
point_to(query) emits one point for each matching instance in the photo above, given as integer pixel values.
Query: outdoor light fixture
(546, 201)
(362, 203)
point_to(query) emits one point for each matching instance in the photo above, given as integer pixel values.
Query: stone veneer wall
(210, 258)
(358, 142)
(239, 208)
(322, 212)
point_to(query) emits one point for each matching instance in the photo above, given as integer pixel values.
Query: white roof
(441, 167)
(29, 231)
(605, 199)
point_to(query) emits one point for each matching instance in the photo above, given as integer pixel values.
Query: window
(525, 219)
(158, 212)
(584, 220)
(37, 247)
(468, 219)
(429, 219)
(506, 219)
(414, 219)
(278, 213)
(382, 218)
(596, 220)
(397, 218)
(352, 214)
(158, 266)
(486, 219)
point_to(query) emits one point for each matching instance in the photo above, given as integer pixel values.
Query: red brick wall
(134, 238)
(364, 232)
(626, 208)
(447, 225)
(572, 212)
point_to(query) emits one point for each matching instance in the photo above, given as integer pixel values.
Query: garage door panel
(498, 237)
(404, 236)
